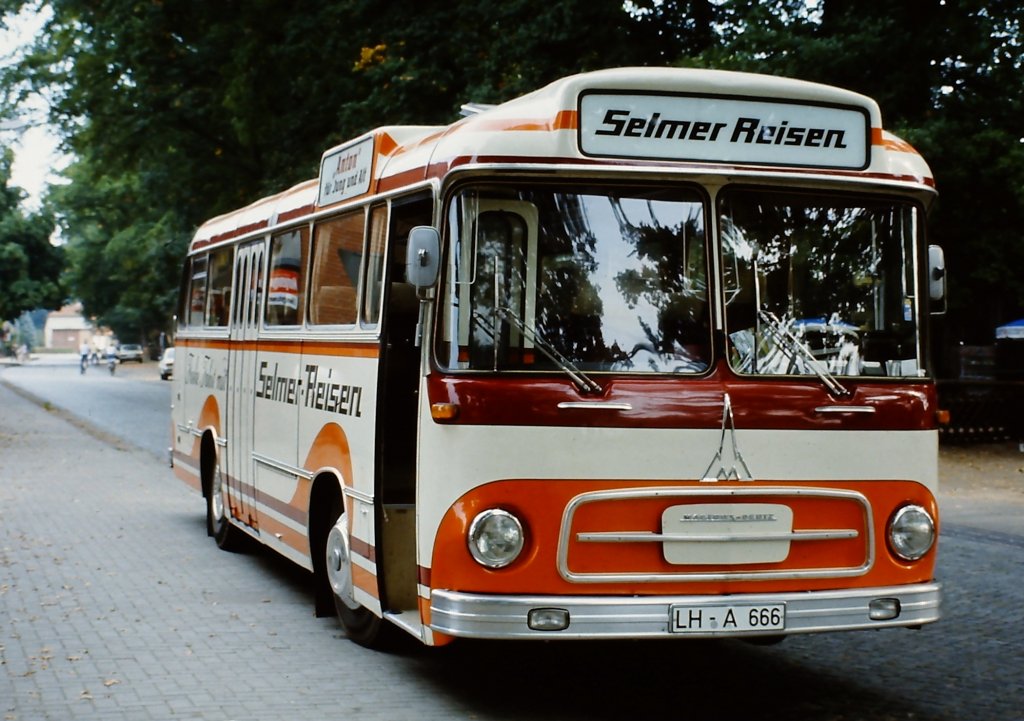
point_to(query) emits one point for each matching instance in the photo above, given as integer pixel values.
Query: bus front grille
(734, 533)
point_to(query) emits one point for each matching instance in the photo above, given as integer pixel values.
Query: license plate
(727, 619)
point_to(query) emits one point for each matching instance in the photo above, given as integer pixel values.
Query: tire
(360, 623)
(227, 537)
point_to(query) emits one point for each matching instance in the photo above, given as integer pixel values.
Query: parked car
(130, 352)
(167, 364)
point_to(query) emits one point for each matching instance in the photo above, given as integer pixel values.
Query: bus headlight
(495, 538)
(911, 532)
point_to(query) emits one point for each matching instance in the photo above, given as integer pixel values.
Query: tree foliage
(177, 110)
(30, 267)
(947, 77)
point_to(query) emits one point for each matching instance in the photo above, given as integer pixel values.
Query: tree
(30, 266)
(180, 110)
(947, 78)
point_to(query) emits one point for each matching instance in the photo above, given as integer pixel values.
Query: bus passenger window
(337, 256)
(218, 298)
(375, 256)
(197, 293)
(286, 293)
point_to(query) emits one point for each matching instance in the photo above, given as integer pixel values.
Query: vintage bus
(640, 354)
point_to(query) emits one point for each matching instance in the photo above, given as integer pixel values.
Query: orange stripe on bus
(346, 349)
(537, 571)
(891, 143)
(564, 120)
(365, 581)
(901, 146)
(209, 416)
(330, 449)
(290, 536)
(349, 350)
(387, 144)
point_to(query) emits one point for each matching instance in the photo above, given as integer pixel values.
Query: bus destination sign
(345, 172)
(724, 129)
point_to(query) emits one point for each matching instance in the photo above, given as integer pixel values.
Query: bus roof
(707, 121)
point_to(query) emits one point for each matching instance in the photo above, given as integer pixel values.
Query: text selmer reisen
(620, 123)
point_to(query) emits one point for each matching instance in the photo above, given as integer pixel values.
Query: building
(67, 328)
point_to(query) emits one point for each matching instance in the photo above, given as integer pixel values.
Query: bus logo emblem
(732, 473)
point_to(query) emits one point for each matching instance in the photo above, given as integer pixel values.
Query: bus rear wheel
(360, 624)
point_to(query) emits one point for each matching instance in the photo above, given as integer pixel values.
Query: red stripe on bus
(362, 548)
(670, 402)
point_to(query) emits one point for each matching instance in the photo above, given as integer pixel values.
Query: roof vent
(470, 109)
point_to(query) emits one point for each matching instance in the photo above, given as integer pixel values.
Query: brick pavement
(115, 605)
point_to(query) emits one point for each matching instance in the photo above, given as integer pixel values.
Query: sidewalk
(116, 606)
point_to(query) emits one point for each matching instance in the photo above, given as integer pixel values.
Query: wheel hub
(339, 563)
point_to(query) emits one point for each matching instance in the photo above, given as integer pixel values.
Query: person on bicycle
(111, 358)
(83, 351)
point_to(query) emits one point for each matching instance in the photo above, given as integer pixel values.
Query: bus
(641, 354)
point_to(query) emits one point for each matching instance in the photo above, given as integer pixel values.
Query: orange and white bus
(640, 354)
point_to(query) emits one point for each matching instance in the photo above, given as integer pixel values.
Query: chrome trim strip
(595, 405)
(358, 495)
(645, 537)
(222, 442)
(621, 494)
(844, 409)
(285, 468)
(190, 429)
(475, 615)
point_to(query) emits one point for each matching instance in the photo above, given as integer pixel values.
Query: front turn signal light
(942, 417)
(444, 412)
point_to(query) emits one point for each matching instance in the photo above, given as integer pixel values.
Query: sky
(37, 157)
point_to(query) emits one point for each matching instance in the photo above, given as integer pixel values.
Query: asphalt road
(115, 605)
(132, 405)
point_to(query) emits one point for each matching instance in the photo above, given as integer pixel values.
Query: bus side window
(218, 296)
(287, 286)
(375, 255)
(337, 258)
(195, 293)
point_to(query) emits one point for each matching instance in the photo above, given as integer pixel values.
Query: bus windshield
(582, 279)
(819, 284)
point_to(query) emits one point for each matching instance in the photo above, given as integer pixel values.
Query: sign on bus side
(345, 172)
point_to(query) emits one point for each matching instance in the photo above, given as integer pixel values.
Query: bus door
(397, 411)
(241, 379)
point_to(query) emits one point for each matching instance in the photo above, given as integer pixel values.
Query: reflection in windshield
(819, 284)
(609, 279)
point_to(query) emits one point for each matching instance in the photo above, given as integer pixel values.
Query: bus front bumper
(741, 615)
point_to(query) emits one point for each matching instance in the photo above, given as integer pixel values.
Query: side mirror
(423, 257)
(937, 279)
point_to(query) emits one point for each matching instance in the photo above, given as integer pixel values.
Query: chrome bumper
(500, 617)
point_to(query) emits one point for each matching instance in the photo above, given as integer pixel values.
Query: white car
(130, 352)
(167, 364)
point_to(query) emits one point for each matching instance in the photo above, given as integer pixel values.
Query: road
(115, 605)
(133, 404)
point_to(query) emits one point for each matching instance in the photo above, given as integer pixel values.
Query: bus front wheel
(228, 537)
(360, 624)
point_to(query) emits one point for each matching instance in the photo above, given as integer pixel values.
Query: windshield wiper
(791, 345)
(585, 384)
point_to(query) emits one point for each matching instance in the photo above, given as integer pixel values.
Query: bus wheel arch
(218, 525)
(326, 504)
(332, 566)
(208, 468)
